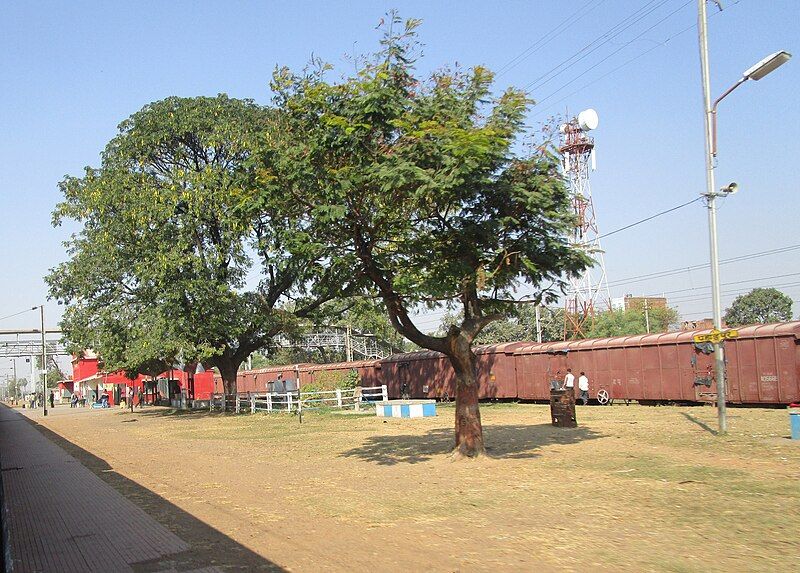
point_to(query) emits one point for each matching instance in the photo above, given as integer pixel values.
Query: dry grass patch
(633, 488)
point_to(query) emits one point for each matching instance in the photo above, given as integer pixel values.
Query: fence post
(253, 404)
(385, 392)
(289, 401)
(269, 401)
(299, 403)
(338, 398)
(238, 403)
(211, 403)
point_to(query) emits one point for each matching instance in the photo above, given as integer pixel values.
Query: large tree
(759, 306)
(415, 184)
(172, 262)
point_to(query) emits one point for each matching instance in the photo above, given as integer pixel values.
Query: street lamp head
(767, 65)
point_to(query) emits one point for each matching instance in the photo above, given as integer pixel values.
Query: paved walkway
(64, 518)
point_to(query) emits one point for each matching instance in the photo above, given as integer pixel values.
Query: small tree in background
(520, 325)
(759, 306)
(633, 321)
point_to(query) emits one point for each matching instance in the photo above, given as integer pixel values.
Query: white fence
(354, 398)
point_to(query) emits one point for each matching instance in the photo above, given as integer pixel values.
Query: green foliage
(632, 321)
(325, 380)
(54, 375)
(15, 386)
(158, 271)
(412, 183)
(519, 326)
(759, 306)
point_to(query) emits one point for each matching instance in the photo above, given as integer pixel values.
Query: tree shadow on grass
(700, 423)
(503, 442)
(167, 412)
(209, 546)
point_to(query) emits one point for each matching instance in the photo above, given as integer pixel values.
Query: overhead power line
(595, 44)
(616, 69)
(649, 218)
(691, 289)
(615, 52)
(740, 291)
(551, 35)
(660, 274)
(18, 313)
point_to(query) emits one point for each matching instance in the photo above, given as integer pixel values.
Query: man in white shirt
(569, 381)
(583, 386)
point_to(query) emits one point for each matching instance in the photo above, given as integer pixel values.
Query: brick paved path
(64, 518)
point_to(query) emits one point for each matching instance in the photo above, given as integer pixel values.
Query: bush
(325, 380)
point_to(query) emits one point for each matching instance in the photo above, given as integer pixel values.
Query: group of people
(583, 385)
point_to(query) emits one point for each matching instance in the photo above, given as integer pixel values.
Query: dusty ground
(632, 489)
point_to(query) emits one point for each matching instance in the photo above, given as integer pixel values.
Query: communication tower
(587, 292)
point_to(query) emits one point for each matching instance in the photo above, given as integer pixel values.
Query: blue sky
(71, 71)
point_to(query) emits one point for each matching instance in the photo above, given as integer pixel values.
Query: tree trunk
(469, 432)
(228, 370)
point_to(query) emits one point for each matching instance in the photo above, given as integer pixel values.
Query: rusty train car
(763, 366)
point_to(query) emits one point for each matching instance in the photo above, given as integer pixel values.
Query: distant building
(629, 302)
(702, 324)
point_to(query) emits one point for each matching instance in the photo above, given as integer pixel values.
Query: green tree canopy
(632, 321)
(519, 325)
(171, 262)
(413, 182)
(759, 306)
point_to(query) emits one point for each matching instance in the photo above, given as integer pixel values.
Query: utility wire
(547, 38)
(649, 218)
(660, 274)
(618, 50)
(737, 291)
(594, 81)
(18, 313)
(593, 46)
(614, 70)
(663, 293)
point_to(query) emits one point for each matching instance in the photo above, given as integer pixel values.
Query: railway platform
(59, 516)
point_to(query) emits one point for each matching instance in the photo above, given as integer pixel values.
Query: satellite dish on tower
(588, 120)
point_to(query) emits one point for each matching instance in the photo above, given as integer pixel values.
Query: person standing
(583, 386)
(569, 381)
(52, 400)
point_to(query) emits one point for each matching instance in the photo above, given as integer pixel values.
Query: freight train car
(430, 375)
(763, 367)
(296, 376)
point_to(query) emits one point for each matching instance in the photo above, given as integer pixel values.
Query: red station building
(173, 386)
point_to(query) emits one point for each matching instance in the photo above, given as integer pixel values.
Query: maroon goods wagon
(418, 375)
(763, 366)
(430, 374)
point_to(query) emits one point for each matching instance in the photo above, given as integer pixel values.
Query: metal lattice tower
(364, 345)
(587, 292)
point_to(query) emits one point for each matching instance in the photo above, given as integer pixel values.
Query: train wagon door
(404, 378)
(704, 379)
(557, 367)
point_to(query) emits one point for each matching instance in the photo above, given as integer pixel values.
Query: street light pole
(44, 365)
(756, 72)
(711, 201)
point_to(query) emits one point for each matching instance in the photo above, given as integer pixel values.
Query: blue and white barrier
(406, 408)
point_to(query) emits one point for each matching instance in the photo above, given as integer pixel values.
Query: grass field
(632, 488)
